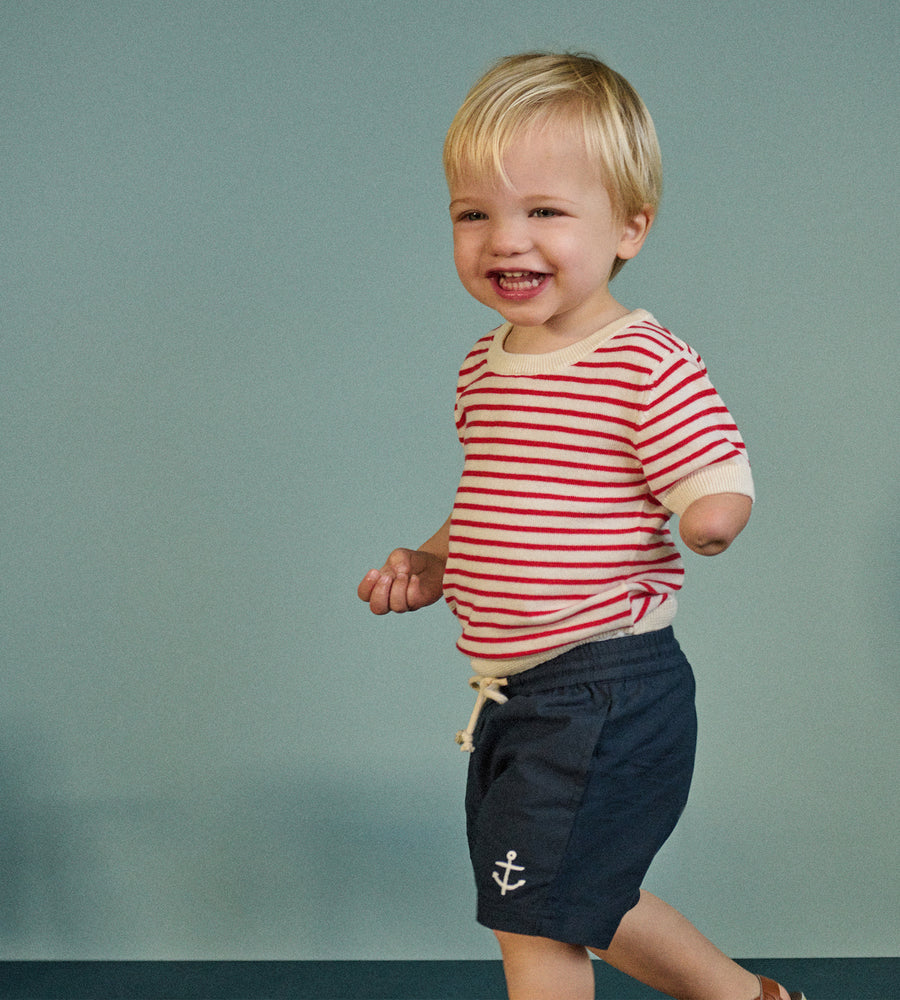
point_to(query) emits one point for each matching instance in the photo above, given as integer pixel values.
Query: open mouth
(518, 283)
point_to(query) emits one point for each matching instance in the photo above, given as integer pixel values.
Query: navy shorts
(575, 784)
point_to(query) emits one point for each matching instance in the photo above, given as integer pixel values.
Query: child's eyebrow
(557, 199)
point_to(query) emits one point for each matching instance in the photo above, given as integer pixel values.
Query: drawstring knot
(487, 687)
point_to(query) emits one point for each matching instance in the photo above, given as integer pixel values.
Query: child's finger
(367, 584)
(399, 594)
(398, 563)
(375, 590)
(380, 598)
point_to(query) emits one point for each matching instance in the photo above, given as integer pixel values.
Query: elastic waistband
(607, 660)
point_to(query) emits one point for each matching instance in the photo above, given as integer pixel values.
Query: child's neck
(546, 339)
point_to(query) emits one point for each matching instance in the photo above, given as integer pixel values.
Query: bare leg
(540, 969)
(660, 947)
(654, 944)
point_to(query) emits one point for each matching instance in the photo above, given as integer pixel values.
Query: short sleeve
(724, 477)
(685, 430)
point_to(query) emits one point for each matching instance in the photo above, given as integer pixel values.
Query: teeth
(516, 278)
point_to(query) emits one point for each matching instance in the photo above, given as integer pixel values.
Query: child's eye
(474, 216)
(545, 213)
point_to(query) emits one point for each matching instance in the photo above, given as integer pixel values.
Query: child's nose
(509, 238)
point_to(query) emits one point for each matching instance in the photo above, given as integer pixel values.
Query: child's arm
(410, 579)
(711, 523)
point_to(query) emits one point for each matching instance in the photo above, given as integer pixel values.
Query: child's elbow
(706, 546)
(711, 524)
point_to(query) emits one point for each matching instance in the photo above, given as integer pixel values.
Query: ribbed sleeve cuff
(723, 477)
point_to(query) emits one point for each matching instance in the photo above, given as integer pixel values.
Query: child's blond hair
(529, 89)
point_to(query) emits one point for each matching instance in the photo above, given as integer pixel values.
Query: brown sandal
(769, 990)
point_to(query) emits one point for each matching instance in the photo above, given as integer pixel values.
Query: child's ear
(634, 232)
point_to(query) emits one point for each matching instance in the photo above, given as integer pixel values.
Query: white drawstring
(486, 688)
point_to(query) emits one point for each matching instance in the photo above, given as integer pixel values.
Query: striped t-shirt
(574, 462)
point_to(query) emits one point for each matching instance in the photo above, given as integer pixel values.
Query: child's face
(540, 250)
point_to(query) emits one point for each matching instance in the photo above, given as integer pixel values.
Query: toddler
(585, 427)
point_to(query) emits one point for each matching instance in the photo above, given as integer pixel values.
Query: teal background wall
(230, 331)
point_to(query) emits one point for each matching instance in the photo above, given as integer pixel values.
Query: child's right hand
(409, 580)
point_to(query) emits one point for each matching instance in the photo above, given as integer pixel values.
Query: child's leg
(654, 944)
(537, 968)
(660, 947)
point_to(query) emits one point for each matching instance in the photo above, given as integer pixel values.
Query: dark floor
(820, 979)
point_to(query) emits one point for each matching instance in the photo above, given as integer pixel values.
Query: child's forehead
(542, 146)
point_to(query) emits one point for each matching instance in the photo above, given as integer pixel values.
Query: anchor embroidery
(510, 867)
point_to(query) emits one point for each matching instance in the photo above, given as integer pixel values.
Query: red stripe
(617, 365)
(657, 565)
(600, 418)
(546, 547)
(562, 481)
(605, 382)
(557, 564)
(562, 445)
(524, 393)
(530, 460)
(520, 612)
(550, 496)
(547, 601)
(547, 530)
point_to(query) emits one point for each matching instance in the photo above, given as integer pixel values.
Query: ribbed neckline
(503, 363)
